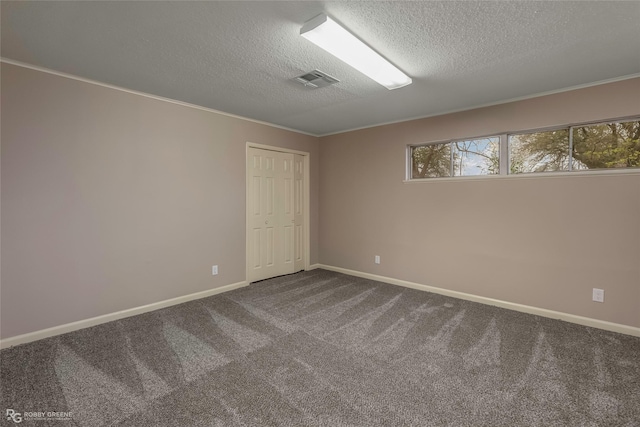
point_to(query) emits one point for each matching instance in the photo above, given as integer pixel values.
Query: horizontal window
(590, 146)
(456, 158)
(585, 147)
(603, 146)
(431, 161)
(539, 151)
(476, 157)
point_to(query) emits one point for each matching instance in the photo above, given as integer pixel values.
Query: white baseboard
(572, 318)
(81, 324)
(74, 326)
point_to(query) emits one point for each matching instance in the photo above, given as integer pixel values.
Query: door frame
(306, 245)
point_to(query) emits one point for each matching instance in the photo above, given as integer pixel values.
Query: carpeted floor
(324, 349)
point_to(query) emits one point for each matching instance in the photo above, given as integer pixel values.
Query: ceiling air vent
(316, 79)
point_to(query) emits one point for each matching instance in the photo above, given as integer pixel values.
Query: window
(431, 161)
(539, 152)
(592, 146)
(476, 157)
(607, 145)
(471, 157)
(576, 148)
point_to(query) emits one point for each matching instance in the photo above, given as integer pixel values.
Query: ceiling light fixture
(329, 35)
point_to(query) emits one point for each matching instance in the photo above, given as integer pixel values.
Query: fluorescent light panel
(329, 35)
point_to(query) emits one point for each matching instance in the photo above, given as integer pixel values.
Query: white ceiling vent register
(316, 79)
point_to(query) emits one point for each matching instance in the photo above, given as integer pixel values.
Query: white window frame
(410, 148)
(505, 160)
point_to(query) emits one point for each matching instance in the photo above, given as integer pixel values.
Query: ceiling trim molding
(492, 104)
(211, 110)
(146, 95)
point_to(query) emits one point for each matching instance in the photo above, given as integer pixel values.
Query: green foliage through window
(585, 147)
(576, 148)
(457, 158)
(539, 152)
(431, 161)
(610, 145)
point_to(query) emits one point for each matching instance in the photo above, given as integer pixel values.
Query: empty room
(308, 213)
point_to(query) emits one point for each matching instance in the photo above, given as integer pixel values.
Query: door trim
(306, 205)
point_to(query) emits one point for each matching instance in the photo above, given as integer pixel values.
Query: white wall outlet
(598, 295)
(377, 259)
(214, 270)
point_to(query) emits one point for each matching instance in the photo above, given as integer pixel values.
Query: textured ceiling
(239, 57)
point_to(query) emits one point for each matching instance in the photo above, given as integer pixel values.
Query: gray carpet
(324, 349)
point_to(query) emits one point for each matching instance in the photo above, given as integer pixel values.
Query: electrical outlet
(214, 270)
(377, 259)
(598, 295)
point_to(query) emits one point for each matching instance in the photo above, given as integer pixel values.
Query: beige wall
(112, 200)
(544, 241)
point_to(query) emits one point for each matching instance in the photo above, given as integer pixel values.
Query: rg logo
(14, 416)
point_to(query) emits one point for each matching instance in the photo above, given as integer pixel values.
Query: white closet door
(271, 205)
(285, 199)
(298, 212)
(261, 180)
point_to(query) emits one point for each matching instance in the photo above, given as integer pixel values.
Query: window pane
(476, 157)
(539, 152)
(610, 145)
(430, 161)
